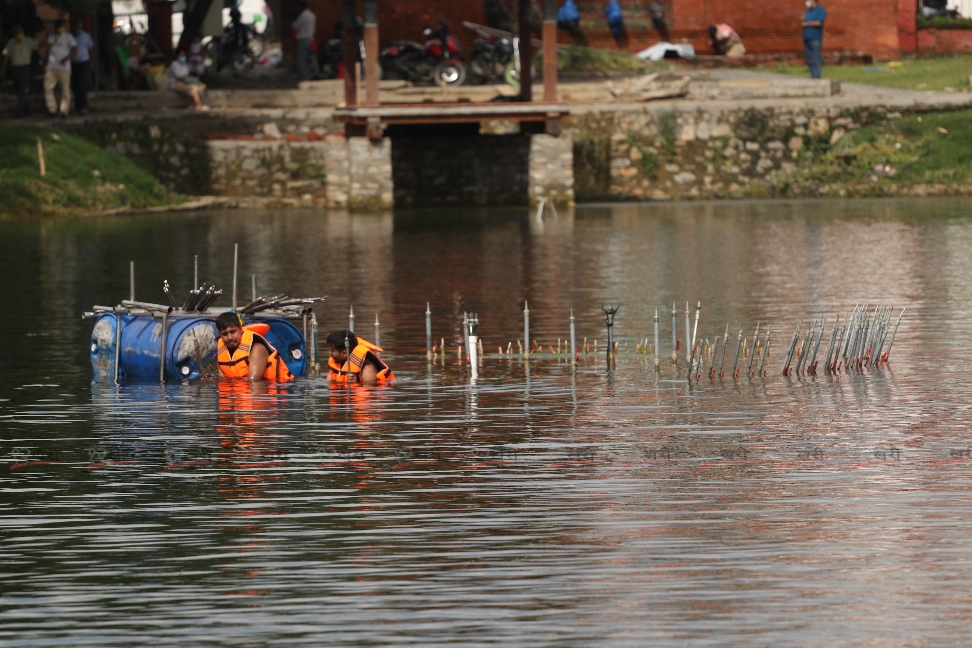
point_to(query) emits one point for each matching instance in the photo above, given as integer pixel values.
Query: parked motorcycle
(493, 61)
(435, 62)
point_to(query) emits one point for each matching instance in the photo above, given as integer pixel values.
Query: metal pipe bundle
(789, 353)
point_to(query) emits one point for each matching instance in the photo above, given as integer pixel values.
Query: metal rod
(165, 337)
(474, 345)
(752, 354)
(131, 280)
(428, 331)
(195, 272)
(118, 327)
(812, 367)
(168, 293)
(657, 359)
(351, 320)
(377, 331)
(887, 354)
(688, 334)
(526, 328)
(762, 357)
(715, 350)
(674, 334)
(304, 319)
(236, 258)
(465, 333)
(253, 287)
(789, 353)
(314, 340)
(830, 347)
(735, 363)
(695, 330)
(573, 337)
(725, 345)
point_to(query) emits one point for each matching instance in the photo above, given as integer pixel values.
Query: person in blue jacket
(813, 25)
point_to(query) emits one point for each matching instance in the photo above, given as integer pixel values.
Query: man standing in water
(243, 352)
(365, 366)
(813, 25)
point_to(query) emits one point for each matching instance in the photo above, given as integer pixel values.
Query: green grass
(913, 74)
(81, 177)
(943, 23)
(934, 150)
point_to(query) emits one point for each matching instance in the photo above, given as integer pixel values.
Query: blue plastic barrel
(190, 347)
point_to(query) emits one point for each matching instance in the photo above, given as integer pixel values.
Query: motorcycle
(492, 62)
(240, 46)
(436, 62)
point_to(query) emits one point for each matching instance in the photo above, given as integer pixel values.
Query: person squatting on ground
(61, 47)
(364, 367)
(304, 26)
(184, 83)
(243, 352)
(18, 53)
(80, 62)
(813, 26)
(726, 41)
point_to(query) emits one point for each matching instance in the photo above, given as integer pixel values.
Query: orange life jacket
(365, 351)
(237, 364)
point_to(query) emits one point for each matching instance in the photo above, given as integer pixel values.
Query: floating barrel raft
(189, 345)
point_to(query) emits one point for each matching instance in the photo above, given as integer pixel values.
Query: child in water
(365, 366)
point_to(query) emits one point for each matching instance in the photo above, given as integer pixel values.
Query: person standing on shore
(80, 62)
(304, 26)
(18, 54)
(61, 46)
(813, 26)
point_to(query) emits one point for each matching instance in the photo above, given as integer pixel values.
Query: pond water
(539, 505)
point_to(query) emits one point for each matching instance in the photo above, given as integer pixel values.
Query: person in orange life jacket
(243, 352)
(365, 365)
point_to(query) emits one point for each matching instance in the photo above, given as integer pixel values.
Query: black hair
(59, 22)
(228, 319)
(336, 340)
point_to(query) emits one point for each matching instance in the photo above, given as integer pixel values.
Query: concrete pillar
(337, 169)
(371, 173)
(349, 13)
(551, 169)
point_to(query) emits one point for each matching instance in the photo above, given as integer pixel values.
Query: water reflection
(542, 504)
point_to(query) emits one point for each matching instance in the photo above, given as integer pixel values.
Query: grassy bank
(938, 73)
(80, 177)
(930, 152)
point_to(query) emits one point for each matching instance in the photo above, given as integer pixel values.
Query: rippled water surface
(536, 506)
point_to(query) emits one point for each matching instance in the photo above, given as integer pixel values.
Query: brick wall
(766, 26)
(944, 41)
(907, 25)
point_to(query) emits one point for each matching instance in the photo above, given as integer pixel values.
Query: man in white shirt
(19, 53)
(184, 83)
(61, 46)
(80, 63)
(305, 25)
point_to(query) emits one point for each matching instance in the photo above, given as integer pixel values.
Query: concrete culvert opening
(452, 164)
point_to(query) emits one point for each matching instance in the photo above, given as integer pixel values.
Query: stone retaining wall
(640, 153)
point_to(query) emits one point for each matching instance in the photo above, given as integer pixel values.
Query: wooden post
(526, 52)
(40, 157)
(371, 52)
(550, 51)
(349, 19)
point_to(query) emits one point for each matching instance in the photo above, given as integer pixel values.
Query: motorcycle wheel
(511, 75)
(451, 72)
(478, 71)
(256, 46)
(242, 61)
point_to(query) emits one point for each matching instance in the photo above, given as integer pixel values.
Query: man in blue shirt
(813, 24)
(80, 62)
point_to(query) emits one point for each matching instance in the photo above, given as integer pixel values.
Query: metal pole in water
(526, 328)
(377, 331)
(609, 313)
(688, 333)
(253, 289)
(762, 357)
(674, 334)
(735, 363)
(428, 331)
(304, 330)
(657, 359)
(118, 328)
(725, 345)
(236, 259)
(573, 338)
(195, 272)
(695, 331)
(165, 335)
(313, 345)
(887, 354)
(473, 345)
(465, 332)
(131, 280)
(789, 353)
(752, 354)
(351, 320)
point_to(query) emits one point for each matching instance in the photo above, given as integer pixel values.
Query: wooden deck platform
(450, 113)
